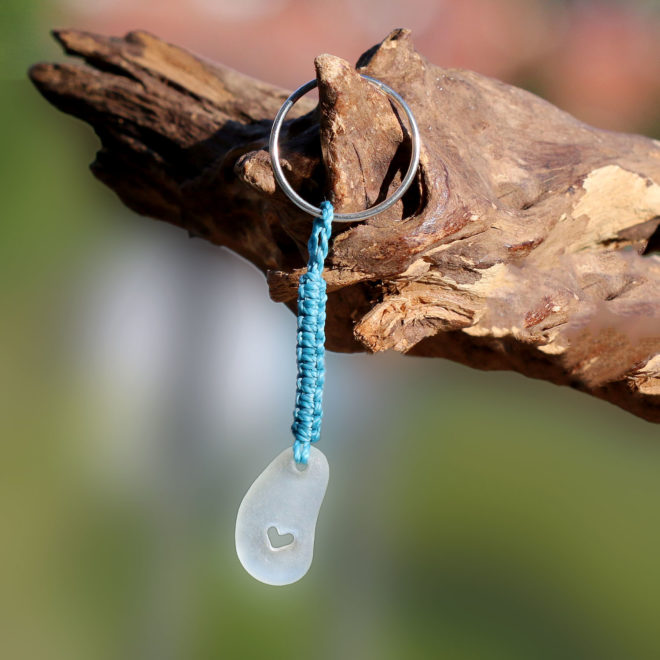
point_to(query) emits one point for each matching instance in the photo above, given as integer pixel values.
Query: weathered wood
(525, 243)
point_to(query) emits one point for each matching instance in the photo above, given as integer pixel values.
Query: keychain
(276, 520)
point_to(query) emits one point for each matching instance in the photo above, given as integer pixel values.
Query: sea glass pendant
(276, 521)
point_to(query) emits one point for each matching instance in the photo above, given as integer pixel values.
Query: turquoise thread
(310, 344)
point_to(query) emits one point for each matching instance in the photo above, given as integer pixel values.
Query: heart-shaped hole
(277, 540)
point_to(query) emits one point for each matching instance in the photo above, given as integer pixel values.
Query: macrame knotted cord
(310, 345)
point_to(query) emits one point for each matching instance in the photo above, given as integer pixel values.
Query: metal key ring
(315, 210)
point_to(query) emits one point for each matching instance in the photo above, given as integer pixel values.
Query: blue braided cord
(310, 345)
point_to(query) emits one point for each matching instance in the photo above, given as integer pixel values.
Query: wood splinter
(528, 241)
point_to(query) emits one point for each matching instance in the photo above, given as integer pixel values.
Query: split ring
(315, 210)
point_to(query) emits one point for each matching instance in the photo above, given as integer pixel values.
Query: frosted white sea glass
(276, 521)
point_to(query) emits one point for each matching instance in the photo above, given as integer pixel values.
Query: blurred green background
(147, 379)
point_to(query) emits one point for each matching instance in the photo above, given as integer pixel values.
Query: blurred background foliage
(147, 379)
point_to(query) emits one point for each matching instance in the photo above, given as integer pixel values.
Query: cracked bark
(527, 241)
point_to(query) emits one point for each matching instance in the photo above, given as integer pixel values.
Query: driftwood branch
(527, 241)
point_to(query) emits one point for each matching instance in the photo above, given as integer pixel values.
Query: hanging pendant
(276, 521)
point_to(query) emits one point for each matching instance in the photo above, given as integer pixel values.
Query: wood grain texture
(527, 241)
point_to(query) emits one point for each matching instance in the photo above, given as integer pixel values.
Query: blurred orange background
(147, 380)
